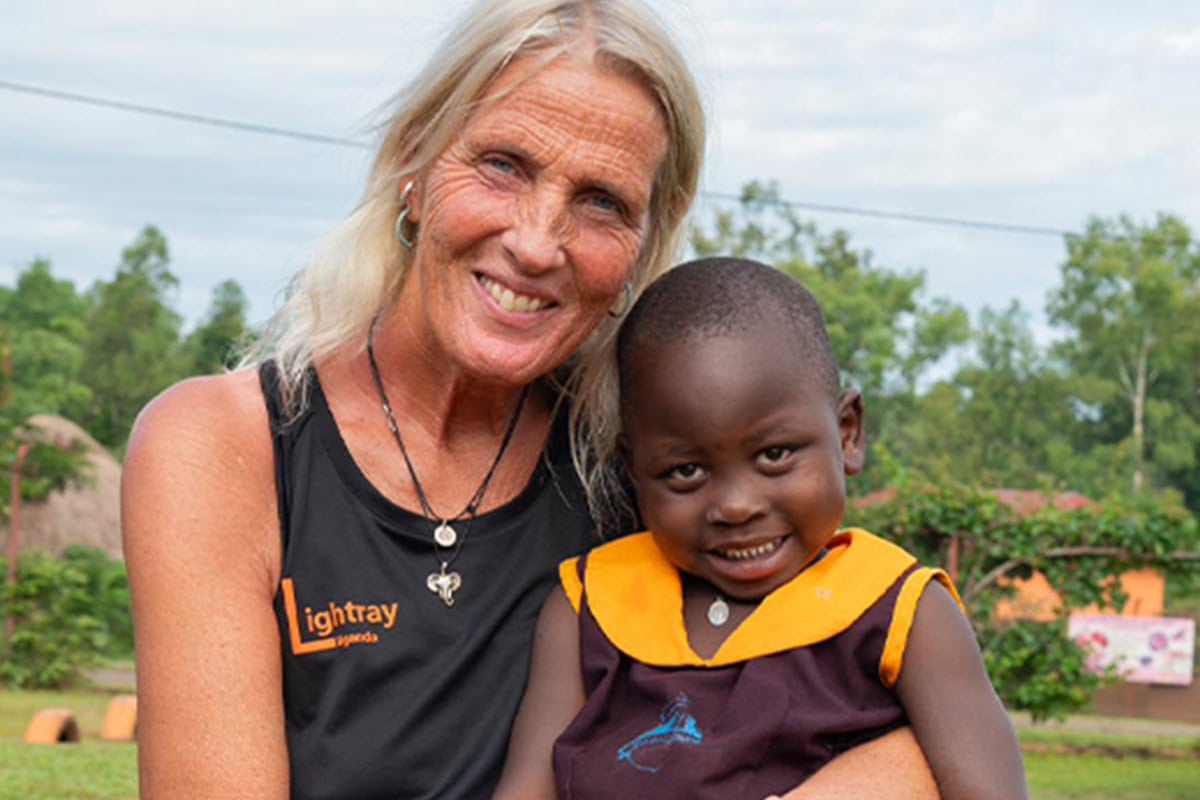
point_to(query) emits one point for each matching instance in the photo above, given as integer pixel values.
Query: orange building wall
(1037, 600)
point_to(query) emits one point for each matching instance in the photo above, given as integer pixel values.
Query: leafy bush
(109, 588)
(1034, 665)
(69, 613)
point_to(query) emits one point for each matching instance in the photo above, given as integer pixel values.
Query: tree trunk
(1139, 414)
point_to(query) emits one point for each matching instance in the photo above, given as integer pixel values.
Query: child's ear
(850, 430)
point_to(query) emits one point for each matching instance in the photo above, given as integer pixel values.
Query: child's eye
(685, 477)
(776, 456)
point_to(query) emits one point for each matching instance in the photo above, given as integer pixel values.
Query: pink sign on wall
(1143, 649)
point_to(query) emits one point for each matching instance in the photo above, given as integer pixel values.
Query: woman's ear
(410, 198)
(851, 433)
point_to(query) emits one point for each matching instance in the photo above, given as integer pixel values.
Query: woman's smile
(511, 300)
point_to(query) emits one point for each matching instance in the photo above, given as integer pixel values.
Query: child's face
(738, 455)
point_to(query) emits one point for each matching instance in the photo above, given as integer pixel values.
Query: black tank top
(389, 693)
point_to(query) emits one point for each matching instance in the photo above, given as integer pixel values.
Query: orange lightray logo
(325, 622)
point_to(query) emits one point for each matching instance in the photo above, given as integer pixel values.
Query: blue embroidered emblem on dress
(676, 726)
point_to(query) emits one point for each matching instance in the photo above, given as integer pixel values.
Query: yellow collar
(636, 597)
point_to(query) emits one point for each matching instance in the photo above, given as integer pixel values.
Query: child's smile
(750, 551)
(738, 456)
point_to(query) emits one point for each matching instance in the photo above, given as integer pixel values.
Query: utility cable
(184, 116)
(250, 127)
(902, 216)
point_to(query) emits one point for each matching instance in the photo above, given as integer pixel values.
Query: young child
(744, 641)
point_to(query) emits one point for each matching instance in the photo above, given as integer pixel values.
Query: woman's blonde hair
(359, 269)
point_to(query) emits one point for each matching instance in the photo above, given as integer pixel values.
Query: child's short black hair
(713, 297)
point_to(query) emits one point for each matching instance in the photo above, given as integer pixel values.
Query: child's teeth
(745, 553)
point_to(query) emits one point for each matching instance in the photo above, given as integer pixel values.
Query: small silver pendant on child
(718, 612)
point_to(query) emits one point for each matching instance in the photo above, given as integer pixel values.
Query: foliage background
(956, 407)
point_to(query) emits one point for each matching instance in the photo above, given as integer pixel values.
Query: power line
(250, 127)
(184, 116)
(903, 216)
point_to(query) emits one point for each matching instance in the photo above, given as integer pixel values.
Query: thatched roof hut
(88, 514)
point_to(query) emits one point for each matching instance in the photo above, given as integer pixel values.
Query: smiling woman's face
(533, 217)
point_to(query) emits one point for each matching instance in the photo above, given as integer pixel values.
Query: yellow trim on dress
(636, 597)
(892, 660)
(568, 576)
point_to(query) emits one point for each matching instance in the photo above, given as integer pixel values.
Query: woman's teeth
(509, 300)
(746, 553)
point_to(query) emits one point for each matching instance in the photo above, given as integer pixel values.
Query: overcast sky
(1029, 113)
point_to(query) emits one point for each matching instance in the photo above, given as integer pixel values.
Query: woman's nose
(537, 233)
(734, 501)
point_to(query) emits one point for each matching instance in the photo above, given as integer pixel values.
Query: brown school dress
(807, 675)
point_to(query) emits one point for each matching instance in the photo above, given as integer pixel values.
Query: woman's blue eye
(501, 165)
(604, 203)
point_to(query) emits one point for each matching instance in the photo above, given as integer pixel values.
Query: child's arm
(958, 719)
(552, 698)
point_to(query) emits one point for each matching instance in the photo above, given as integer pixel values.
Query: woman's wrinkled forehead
(523, 66)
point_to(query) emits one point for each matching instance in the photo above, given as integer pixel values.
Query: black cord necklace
(442, 583)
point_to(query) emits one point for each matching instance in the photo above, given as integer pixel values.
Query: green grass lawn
(1087, 777)
(98, 770)
(89, 770)
(1062, 741)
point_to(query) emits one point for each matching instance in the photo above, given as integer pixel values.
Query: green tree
(41, 333)
(1007, 417)
(214, 344)
(884, 335)
(132, 351)
(45, 319)
(1130, 298)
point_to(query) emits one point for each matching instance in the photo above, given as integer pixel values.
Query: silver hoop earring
(617, 313)
(409, 241)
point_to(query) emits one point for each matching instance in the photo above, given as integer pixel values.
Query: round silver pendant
(718, 612)
(444, 535)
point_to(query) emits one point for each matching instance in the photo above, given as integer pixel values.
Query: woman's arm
(202, 549)
(891, 767)
(552, 698)
(963, 728)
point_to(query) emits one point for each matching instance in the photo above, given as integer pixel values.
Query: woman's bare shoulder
(200, 454)
(215, 408)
